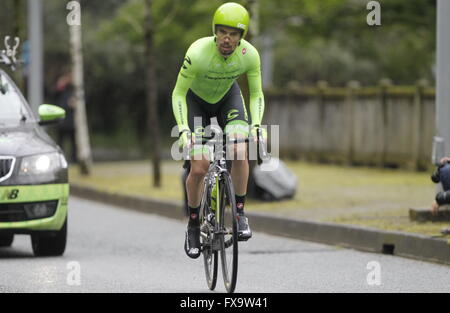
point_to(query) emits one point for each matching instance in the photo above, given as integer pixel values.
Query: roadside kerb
(366, 239)
(425, 215)
(171, 209)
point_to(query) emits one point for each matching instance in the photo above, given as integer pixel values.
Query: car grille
(6, 167)
(18, 212)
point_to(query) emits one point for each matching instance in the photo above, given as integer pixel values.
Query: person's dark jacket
(62, 100)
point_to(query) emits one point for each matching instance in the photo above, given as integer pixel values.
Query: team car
(34, 187)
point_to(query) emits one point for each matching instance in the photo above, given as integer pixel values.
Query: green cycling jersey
(209, 75)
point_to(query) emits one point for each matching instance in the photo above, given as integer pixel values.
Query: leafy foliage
(313, 40)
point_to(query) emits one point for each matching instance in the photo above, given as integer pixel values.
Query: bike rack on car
(8, 56)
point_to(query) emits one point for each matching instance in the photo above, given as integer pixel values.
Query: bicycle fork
(211, 232)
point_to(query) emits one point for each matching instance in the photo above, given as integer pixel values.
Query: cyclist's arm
(255, 89)
(184, 81)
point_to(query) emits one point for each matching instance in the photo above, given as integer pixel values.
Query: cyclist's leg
(233, 119)
(198, 119)
(233, 116)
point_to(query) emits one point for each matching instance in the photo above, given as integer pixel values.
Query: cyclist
(207, 87)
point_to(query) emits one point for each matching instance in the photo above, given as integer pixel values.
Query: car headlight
(42, 164)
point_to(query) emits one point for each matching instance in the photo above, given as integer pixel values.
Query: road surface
(111, 249)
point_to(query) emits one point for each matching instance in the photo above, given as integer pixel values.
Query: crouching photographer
(442, 175)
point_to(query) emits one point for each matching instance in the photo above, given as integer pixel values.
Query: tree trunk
(152, 95)
(81, 126)
(18, 19)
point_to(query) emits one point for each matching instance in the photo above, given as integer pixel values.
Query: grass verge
(370, 197)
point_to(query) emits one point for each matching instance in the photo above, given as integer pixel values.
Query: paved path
(126, 251)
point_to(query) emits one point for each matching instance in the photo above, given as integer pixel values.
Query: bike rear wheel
(229, 233)
(210, 255)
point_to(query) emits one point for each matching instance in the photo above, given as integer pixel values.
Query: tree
(82, 133)
(152, 94)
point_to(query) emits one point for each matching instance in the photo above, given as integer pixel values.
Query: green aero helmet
(231, 14)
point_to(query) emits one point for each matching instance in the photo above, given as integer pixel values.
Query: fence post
(321, 147)
(384, 84)
(418, 123)
(294, 150)
(352, 87)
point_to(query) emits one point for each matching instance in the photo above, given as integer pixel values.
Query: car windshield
(13, 109)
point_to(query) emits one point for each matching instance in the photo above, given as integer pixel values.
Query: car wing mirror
(50, 114)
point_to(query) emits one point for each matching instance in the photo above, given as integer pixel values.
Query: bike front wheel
(228, 233)
(210, 258)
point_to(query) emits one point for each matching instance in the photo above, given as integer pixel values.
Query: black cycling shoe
(244, 231)
(192, 245)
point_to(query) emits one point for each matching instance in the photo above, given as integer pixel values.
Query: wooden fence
(383, 126)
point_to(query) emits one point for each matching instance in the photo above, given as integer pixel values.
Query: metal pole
(35, 78)
(442, 139)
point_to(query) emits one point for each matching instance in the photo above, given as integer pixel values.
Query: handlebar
(261, 148)
(262, 153)
(212, 142)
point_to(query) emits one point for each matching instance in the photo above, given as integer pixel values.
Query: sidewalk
(344, 203)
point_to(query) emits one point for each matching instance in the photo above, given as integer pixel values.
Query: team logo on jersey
(244, 51)
(232, 114)
(199, 131)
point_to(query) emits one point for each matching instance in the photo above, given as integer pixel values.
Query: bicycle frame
(218, 236)
(217, 166)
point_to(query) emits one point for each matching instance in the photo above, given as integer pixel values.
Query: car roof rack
(8, 56)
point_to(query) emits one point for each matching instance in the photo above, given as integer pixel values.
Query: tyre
(210, 260)
(50, 244)
(210, 255)
(6, 240)
(229, 238)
